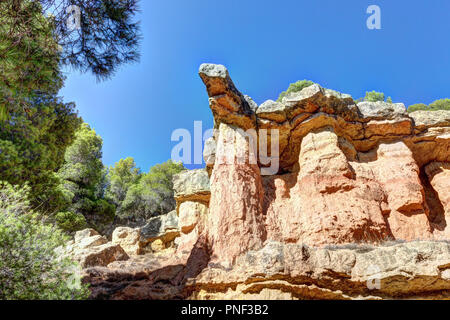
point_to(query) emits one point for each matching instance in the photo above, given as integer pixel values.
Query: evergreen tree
(82, 175)
(153, 195)
(121, 177)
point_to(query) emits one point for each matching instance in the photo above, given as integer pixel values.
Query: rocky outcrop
(129, 239)
(312, 197)
(347, 172)
(192, 194)
(90, 249)
(413, 270)
(163, 227)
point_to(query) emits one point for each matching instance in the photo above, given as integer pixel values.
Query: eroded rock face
(418, 269)
(91, 249)
(192, 193)
(347, 172)
(192, 185)
(235, 220)
(358, 207)
(163, 228)
(128, 239)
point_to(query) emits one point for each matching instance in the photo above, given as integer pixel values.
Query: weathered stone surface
(235, 222)
(298, 271)
(427, 119)
(226, 102)
(209, 151)
(382, 110)
(91, 249)
(192, 185)
(192, 220)
(439, 176)
(128, 239)
(190, 213)
(89, 242)
(85, 233)
(163, 227)
(272, 110)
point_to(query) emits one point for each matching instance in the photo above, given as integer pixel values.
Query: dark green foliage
(442, 104)
(29, 56)
(32, 147)
(29, 265)
(108, 36)
(295, 87)
(69, 221)
(36, 126)
(82, 174)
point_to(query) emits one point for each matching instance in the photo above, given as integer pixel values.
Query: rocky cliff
(313, 197)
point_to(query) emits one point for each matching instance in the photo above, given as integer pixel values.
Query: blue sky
(265, 45)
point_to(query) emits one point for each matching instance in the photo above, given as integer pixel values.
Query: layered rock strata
(311, 197)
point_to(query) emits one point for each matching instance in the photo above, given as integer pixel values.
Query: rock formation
(312, 197)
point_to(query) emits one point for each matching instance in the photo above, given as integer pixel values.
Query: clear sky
(265, 45)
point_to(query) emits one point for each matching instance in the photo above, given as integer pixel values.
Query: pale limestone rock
(85, 233)
(192, 185)
(128, 239)
(190, 213)
(382, 110)
(91, 249)
(164, 227)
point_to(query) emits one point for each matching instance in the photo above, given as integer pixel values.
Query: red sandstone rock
(352, 177)
(235, 221)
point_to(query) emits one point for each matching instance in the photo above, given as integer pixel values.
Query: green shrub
(69, 221)
(418, 106)
(295, 87)
(442, 104)
(29, 264)
(374, 96)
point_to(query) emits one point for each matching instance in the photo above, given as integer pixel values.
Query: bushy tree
(29, 265)
(82, 174)
(295, 87)
(152, 195)
(35, 125)
(442, 104)
(121, 177)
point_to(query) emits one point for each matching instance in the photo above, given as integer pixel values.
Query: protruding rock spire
(227, 103)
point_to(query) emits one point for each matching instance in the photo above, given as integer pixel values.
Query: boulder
(101, 255)
(190, 214)
(128, 239)
(85, 233)
(91, 249)
(163, 227)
